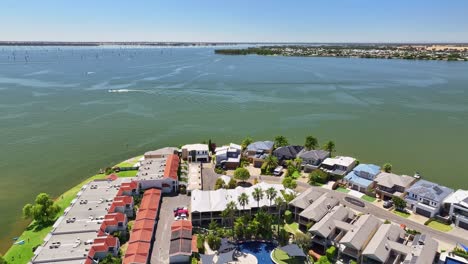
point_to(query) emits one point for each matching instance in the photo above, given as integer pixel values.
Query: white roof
(231, 147)
(191, 147)
(211, 201)
(339, 160)
(458, 197)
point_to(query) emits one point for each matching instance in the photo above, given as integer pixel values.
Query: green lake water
(59, 124)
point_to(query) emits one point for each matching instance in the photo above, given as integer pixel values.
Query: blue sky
(240, 20)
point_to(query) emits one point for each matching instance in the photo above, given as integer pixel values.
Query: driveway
(209, 176)
(160, 254)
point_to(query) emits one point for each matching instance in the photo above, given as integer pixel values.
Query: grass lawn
(129, 162)
(402, 214)
(368, 198)
(292, 228)
(282, 257)
(36, 234)
(123, 174)
(439, 226)
(343, 190)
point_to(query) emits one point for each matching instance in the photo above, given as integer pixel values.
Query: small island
(387, 51)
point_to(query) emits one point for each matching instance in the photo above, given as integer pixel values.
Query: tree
(229, 212)
(219, 184)
(303, 240)
(387, 167)
(323, 260)
(43, 210)
(243, 200)
(271, 194)
(280, 141)
(311, 142)
(280, 205)
(271, 162)
(257, 195)
(247, 141)
(213, 241)
(289, 182)
(241, 174)
(330, 253)
(232, 184)
(329, 146)
(400, 204)
(318, 176)
(110, 259)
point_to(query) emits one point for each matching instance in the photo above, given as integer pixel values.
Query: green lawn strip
(343, 190)
(130, 162)
(439, 226)
(368, 198)
(402, 214)
(282, 257)
(292, 228)
(36, 235)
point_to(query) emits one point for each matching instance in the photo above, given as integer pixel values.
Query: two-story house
(338, 166)
(228, 157)
(311, 159)
(362, 177)
(196, 153)
(426, 198)
(287, 153)
(388, 185)
(457, 204)
(258, 151)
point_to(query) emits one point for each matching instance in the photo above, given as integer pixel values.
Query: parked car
(278, 171)
(388, 204)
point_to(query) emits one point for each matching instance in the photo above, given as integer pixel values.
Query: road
(162, 239)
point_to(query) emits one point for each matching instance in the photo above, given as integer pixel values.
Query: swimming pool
(261, 250)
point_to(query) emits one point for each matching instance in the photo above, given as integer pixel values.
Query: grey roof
(287, 152)
(390, 180)
(320, 207)
(379, 247)
(206, 259)
(327, 225)
(363, 229)
(306, 198)
(162, 151)
(260, 145)
(225, 257)
(316, 154)
(423, 250)
(430, 190)
(293, 250)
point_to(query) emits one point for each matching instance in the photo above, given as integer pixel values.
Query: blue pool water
(258, 249)
(452, 261)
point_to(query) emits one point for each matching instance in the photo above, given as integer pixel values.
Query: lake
(59, 123)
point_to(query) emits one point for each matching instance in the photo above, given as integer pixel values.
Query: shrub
(288, 216)
(213, 241)
(200, 246)
(353, 262)
(232, 184)
(331, 252)
(323, 260)
(460, 252)
(241, 174)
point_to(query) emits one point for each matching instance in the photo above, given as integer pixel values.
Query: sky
(235, 21)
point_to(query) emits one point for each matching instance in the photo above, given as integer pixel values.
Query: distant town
(378, 51)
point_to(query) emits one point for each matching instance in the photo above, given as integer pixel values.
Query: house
(423, 250)
(228, 157)
(317, 210)
(311, 159)
(287, 153)
(129, 189)
(338, 166)
(426, 198)
(195, 153)
(258, 151)
(356, 239)
(137, 253)
(122, 204)
(207, 206)
(388, 185)
(161, 173)
(302, 201)
(457, 204)
(161, 153)
(332, 226)
(361, 178)
(113, 222)
(103, 246)
(142, 231)
(182, 244)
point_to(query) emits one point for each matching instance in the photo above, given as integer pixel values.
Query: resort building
(228, 157)
(332, 226)
(161, 153)
(103, 246)
(161, 173)
(122, 204)
(302, 201)
(338, 166)
(195, 153)
(388, 185)
(317, 210)
(258, 151)
(457, 206)
(362, 177)
(426, 198)
(312, 159)
(182, 244)
(287, 153)
(207, 206)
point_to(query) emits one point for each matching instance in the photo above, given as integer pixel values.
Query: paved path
(160, 254)
(209, 177)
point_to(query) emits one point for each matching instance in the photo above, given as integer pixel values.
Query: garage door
(423, 212)
(463, 225)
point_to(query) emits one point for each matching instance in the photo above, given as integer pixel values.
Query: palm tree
(280, 204)
(271, 194)
(230, 211)
(271, 162)
(329, 146)
(280, 141)
(257, 195)
(387, 167)
(311, 143)
(243, 199)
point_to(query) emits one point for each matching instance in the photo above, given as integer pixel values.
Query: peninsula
(383, 51)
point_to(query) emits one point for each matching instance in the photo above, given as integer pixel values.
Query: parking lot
(160, 254)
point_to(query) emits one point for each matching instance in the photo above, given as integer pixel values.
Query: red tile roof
(141, 235)
(151, 199)
(147, 225)
(101, 244)
(120, 201)
(194, 244)
(111, 220)
(112, 177)
(144, 214)
(172, 167)
(137, 253)
(127, 187)
(181, 224)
